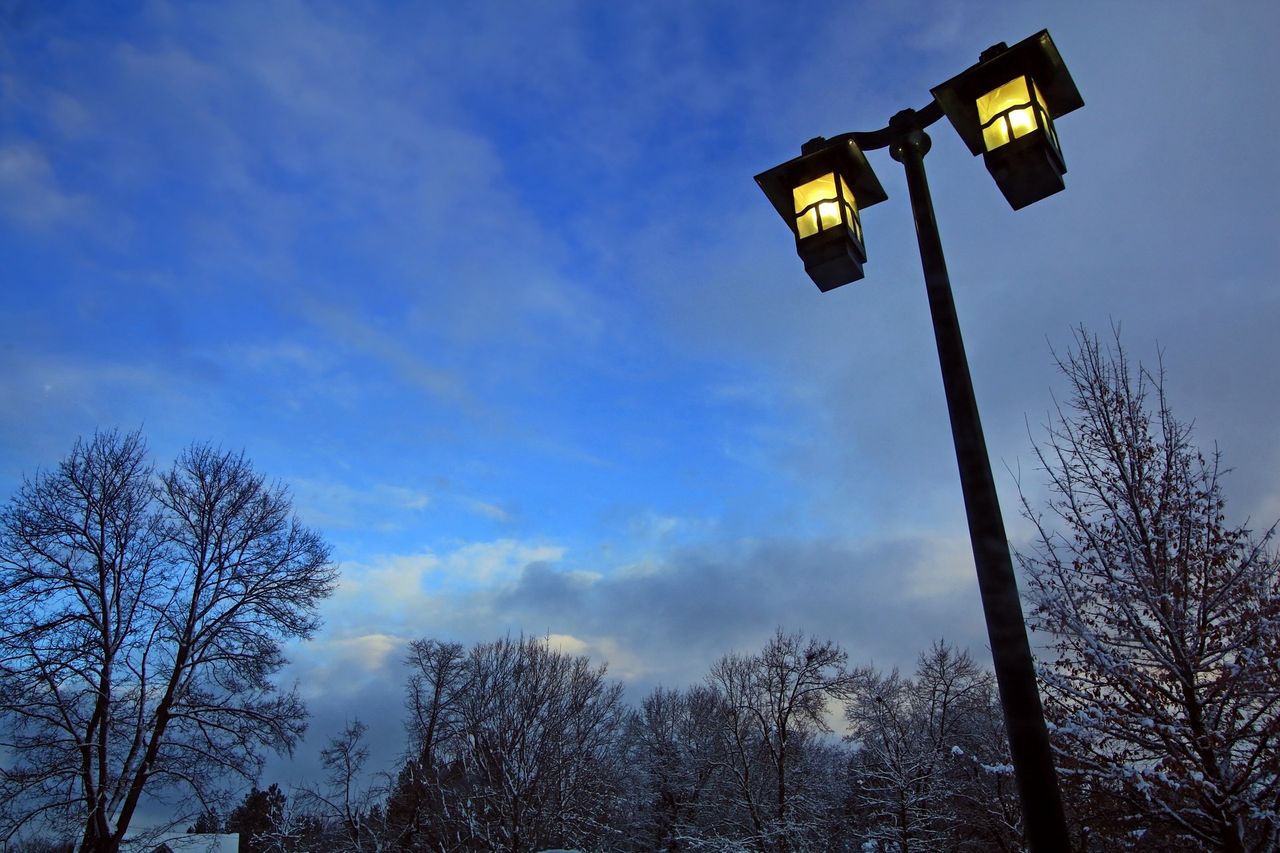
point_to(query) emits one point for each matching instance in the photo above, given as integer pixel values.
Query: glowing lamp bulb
(1010, 111)
(818, 204)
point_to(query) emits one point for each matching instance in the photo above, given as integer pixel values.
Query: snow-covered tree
(931, 758)
(1164, 682)
(258, 818)
(418, 812)
(518, 745)
(777, 789)
(674, 751)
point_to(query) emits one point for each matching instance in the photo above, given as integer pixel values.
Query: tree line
(516, 745)
(142, 614)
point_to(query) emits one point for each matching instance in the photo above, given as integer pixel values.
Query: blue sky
(491, 288)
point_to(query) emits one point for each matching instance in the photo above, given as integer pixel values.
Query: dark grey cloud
(663, 622)
(883, 601)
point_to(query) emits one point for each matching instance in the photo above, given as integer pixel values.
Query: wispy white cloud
(654, 526)
(61, 395)
(68, 114)
(280, 356)
(385, 344)
(30, 193)
(486, 509)
(338, 505)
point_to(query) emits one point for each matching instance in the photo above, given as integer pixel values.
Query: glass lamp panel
(1009, 111)
(817, 206)
(850, 209)
(849, 202)
(1052, 134)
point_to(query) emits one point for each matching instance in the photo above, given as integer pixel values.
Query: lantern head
(1004, 108)
(820, 195)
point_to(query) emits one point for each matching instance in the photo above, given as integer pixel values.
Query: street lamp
(1003, 107)
(820, 195)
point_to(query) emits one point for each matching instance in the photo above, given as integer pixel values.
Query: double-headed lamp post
(1003, 108)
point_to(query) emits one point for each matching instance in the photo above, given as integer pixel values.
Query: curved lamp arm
(870, 140)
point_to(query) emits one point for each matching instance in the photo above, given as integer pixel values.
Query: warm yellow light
(851, 208)
(1008, 112)
(818, 205)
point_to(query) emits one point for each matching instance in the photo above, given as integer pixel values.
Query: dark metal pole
(1046, 828)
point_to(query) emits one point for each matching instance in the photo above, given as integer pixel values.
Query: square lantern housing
(1004, 108)
(820, 194)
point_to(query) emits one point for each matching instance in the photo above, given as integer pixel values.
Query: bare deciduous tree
(674, 750)
(1165, 683)
(346, 808)
(775, 707)
(420, 814)
(922, 746)
(519, 745)
(140, 626)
